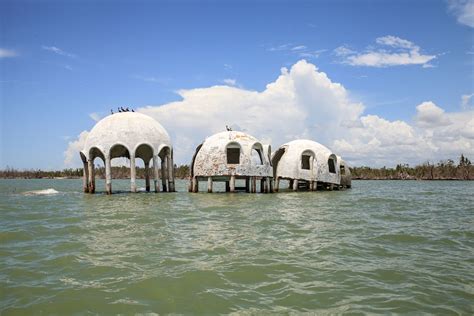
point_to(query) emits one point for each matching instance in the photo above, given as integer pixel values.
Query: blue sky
(62, 64)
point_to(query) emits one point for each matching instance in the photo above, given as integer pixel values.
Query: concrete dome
(126, 130)
(307, 160)
(131, 135)
(231, 153)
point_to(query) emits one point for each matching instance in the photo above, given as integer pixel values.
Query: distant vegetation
(443, 170)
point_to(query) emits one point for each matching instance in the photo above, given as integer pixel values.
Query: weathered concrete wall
(289, 165)
(211, 160)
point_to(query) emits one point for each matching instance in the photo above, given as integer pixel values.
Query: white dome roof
(129, 129)
(211, 156)
(289, 165)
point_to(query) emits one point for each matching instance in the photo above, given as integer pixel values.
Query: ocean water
(380, 247)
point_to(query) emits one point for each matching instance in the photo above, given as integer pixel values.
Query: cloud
(58, 51)
(303, 102)
(71, 155)
(301, 51)
(230, 82)
(463, 10)
(430, 115)
(391, 51)
(466, 101)
(6, 53)
(299, 47)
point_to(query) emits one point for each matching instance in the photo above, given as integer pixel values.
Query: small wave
(49, 191)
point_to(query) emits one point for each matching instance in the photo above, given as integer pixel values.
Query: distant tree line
(122, 172)
(443, 170)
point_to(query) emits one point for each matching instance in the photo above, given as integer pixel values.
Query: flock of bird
(121, 109)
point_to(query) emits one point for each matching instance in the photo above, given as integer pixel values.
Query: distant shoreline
(443, 170)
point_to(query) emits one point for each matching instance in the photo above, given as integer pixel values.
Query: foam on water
(49, 191)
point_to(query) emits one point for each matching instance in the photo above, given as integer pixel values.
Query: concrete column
(209, 184)
(277, 184)
(195, 185)
(265, 185)
(262, 185)
(295, 185)
(247, 184)
(164, 174)
(232, 183)
(170, 174)
(90, 166)
(108, 175)
(133, 174)
(147, 176)
(85, 177)
(270, 185)
(156, 174)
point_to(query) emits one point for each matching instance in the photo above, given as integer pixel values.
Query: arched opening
(332, 164)
(342, 169)
(276, 159)
(257, 154)
(233, 153)
(120, 170)
(145, 153)
(198, 148)
(307, 158)
(95, 170)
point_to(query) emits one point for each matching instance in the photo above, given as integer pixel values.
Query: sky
(378, 82)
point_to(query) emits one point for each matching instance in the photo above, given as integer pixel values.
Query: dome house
(306, 164)
(130, 135)
(230, 156)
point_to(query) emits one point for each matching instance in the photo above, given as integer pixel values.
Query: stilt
(227, 186)
(91, 175)
(156, 174)
(85, 177)
(254, 184)
(170, 173)
(270, 185)
(247, 184)
(331, 187)
(277, 184)
(290, 183)
(295, 185)
(232, 183)
(262, 185)
(195, 185)
(133, 174)
(108, 175)
(147, 177)
(164, 174)
(209, 184)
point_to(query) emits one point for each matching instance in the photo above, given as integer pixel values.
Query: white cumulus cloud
(71, 155)
(463, 10)
(303, 102)
(390, 51)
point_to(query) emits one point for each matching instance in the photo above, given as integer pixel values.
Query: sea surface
(380, 247)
